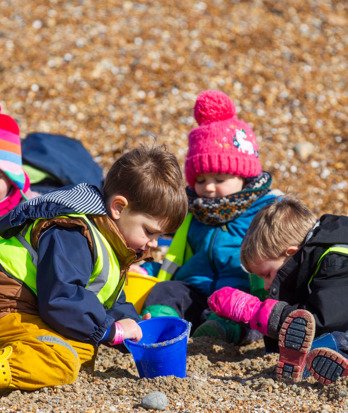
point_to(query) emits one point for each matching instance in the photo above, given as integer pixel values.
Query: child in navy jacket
(63, 263)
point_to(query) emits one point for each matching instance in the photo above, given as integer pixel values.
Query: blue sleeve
(64, 268)
(152, 267)
(123, 309)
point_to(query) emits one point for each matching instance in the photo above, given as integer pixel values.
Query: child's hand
(146, 316)
(131, 329)
(137, 269)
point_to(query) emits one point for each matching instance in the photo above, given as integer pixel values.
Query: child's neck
(11, 200)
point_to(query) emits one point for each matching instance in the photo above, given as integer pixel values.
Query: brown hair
(151, 180)
(276, 227)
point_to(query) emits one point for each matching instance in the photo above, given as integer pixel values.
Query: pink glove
(242, 307)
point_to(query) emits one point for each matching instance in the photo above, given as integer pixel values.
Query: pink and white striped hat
(11, 151)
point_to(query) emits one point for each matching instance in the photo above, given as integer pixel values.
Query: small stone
(155, 400)
(304, 150)
(343, 393)
(326, 408)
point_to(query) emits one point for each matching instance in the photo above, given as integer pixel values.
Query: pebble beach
(114, 74)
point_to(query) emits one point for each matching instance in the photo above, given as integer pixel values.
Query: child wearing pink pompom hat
(226, 188)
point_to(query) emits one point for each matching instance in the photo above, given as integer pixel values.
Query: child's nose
(210, 187)
(153, 243)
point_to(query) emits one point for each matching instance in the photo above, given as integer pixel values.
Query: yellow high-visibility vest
(104, 281)
(178, 253)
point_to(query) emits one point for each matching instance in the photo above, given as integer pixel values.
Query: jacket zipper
(210, 256)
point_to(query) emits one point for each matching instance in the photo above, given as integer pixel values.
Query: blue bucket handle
(167, 342)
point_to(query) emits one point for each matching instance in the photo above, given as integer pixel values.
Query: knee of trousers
(63, 362)
(45, 361)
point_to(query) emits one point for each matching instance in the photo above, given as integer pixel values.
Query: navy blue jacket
(65, 264)
(64, 158)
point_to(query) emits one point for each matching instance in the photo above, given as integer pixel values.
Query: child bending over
(304, 264)
(63, 263)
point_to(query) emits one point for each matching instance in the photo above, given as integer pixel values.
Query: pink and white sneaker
(327, 365)
(295, 340)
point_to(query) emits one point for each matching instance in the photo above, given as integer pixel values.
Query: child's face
(140, 231)
(267, 269)
(5, 186)
(217, 185)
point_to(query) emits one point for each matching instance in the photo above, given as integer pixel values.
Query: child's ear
(291, 250)
(116, 205)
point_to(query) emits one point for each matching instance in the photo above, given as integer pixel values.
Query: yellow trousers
(33, 356)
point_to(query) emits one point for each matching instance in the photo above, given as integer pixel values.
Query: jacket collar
(126, 256)
(79, 199)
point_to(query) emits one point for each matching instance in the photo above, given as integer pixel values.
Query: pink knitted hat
(222, 143)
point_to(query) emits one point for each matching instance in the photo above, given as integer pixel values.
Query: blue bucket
(162, 351)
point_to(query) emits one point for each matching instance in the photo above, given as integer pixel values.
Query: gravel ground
(116, 73)
(221, 378)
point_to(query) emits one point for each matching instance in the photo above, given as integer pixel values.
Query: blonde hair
(276, 227)
(151, 180)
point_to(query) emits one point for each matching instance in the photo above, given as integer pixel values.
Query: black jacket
(326, 296)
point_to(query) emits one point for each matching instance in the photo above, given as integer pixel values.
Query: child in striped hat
(14, 182)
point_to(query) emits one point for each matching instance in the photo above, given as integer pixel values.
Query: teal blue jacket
(216, 252)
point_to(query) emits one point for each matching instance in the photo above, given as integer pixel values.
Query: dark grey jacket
(326, 296)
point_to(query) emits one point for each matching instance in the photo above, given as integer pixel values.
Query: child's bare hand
(137, 269)
(146, 316)
(131, 329)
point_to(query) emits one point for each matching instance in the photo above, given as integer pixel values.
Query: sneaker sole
(327, 365)
(295, 340)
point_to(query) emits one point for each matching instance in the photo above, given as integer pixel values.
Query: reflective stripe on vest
(19, 262)
(169, 266)
(178, 253)
(338, 249)
(27, 245)
(105, 270)
(105, 277)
